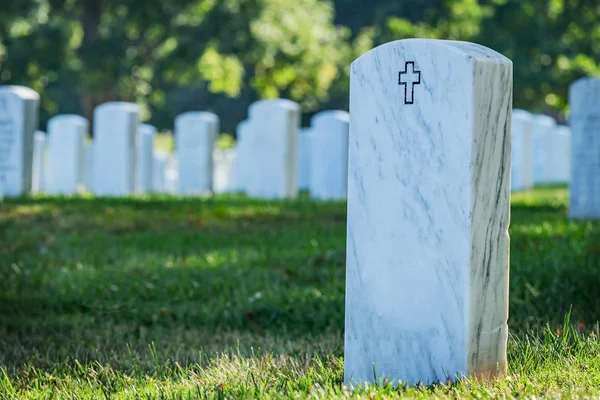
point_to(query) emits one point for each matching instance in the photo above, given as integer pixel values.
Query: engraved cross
(409, 77)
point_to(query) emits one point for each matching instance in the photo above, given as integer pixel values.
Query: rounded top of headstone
(147, 129)
(118, 105)
(332, 114)
(542, 119)
(200, 115)
(21, 91)
(272, 103)
(39, 134)
(522, 114)
(71, 118)
(585, 83)
(469, 50)
(563, 130)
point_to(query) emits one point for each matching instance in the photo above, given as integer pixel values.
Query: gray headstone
(428, 213)
(19, 108)
(584, 105)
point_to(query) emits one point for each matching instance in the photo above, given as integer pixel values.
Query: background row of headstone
(541, 151)
(273, 157)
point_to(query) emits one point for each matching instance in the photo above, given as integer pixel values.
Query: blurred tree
(172, 56)
(550, 43)
(139, 50)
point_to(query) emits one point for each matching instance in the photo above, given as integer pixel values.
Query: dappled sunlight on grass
(225, 288)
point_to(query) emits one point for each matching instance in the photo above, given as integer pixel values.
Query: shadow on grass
(95, 278)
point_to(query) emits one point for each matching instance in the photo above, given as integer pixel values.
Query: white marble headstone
(522, 151)
(88, 165)
(19, 109)
(329, 155)
(244, 157)
(232, 184)
(584, 120)
(159, 171)
(195, 136)
(172, 175)
(223, 163)
(146, 135)
(428, 212)
(562, 154)
(115, 132)
(542, 129)
(66, 136)
(274, 148)
(39, 162)
(304, 158)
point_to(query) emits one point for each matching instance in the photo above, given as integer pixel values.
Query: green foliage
(226, 297)
(551, 43)
(299, 51)
(172, 56)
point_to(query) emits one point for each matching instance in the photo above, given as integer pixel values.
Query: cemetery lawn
(168, 298)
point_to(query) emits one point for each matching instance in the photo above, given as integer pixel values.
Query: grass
(169, 298)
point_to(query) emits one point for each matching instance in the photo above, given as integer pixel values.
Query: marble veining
(428, 190)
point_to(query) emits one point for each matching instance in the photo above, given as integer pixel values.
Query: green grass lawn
(232, 298)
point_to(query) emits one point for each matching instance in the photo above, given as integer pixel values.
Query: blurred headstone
(584, 120)
(304, 158)
(66, 136)
(39, 162)
(243, 156)
(145, 156)
(19, 110)
(542, 129)
(223, 162)
(329, 155)
(195, 136)
(274, 148)
(562, 154)
(522, 151)
(115, 134)
(159, 171)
